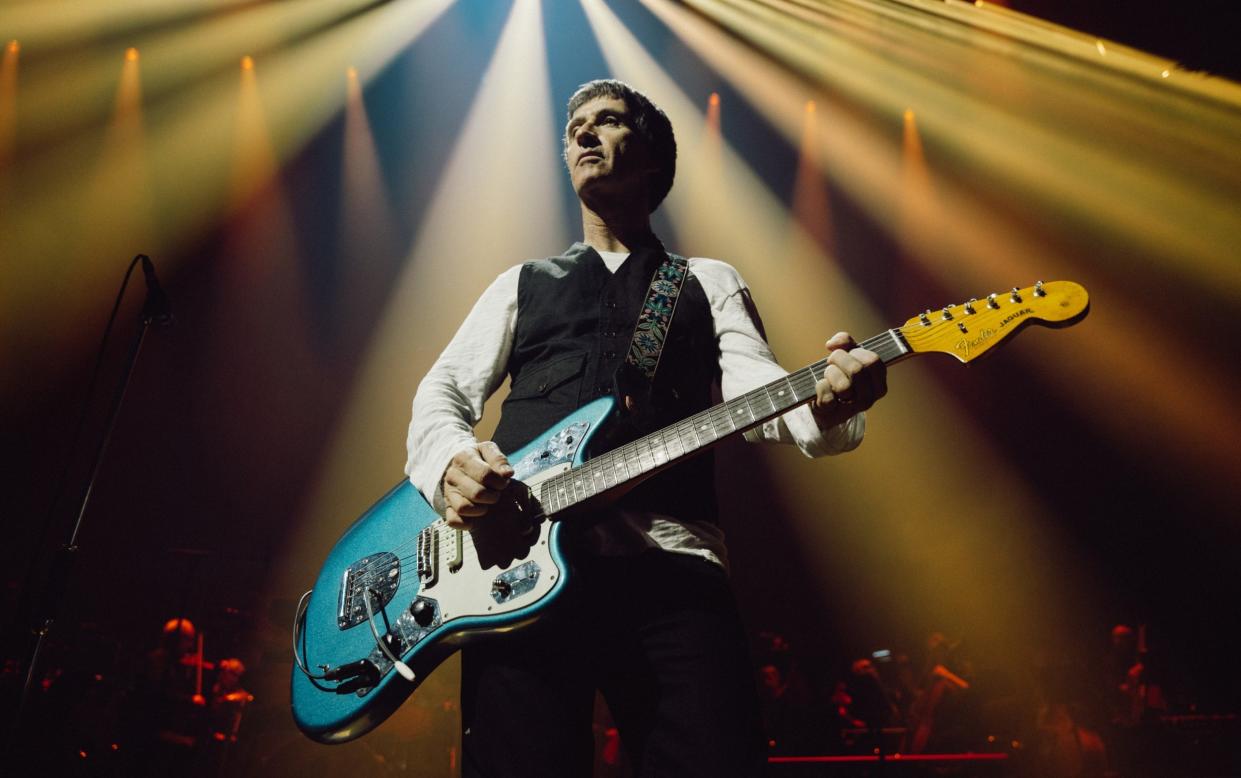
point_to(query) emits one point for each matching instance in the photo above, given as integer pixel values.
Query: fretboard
(659, 450)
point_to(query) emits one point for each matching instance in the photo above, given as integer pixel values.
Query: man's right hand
(473, 482)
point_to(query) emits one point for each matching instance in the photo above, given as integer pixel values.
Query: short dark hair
(649, 121)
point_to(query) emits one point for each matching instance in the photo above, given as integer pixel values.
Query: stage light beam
(493, 207)
(868, 496)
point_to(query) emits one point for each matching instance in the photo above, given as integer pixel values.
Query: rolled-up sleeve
(747, 362)
(450, 398)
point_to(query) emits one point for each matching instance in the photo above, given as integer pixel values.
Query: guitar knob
(422, 612)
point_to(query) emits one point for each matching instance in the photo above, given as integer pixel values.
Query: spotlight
(247, 62)
(131, 54)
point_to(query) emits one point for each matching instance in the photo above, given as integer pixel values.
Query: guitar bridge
(379, 573)
(428, 556)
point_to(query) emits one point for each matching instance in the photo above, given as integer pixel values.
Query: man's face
(606, 156)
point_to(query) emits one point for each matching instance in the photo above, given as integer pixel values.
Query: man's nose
(585, 135)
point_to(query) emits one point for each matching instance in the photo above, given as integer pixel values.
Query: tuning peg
(991, 303)
(925, 318)
(1016, 295)
(969, 305)
(947, 313)
(1039, 291)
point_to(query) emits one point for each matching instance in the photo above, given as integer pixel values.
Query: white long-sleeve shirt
(449, 402)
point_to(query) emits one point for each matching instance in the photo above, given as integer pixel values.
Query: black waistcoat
(575, 320)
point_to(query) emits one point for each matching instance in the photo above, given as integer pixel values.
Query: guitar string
(630, 451)
(913, 333)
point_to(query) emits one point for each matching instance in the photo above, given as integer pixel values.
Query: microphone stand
(154, 311)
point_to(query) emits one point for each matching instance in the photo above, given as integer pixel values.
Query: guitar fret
(579, 488)
(643, 456)
(588, 480)
(686, 429)
(803, 381)
(719, 418)
(608, 468)
(659, 452)
(758, 404)
(625, 456)
(704, 430)
(556, 484)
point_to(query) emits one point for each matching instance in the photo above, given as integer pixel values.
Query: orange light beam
(367, 227)
(115, 219)
(8, 102)
(810, 206)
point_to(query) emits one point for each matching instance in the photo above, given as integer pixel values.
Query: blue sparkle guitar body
(431, 590)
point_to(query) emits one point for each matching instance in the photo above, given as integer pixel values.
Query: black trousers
(658, 634)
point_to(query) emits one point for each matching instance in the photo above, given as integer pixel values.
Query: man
(652, 624)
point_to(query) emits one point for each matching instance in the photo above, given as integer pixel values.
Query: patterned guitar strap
(638, 373)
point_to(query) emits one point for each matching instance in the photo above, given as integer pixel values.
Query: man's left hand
(854, 380)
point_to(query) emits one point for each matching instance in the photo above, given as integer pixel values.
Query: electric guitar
(402, 590)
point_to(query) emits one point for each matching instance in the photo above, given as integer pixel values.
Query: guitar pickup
(457, 553)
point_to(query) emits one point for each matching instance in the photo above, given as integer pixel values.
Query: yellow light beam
(810, 300)
(367, 232)
(189, 153)
(889, 54)
(810, 206)
(114, 213)
(494, 206)
(977, 247)
(180, 58)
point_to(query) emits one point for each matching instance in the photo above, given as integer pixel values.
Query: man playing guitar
(652, 622)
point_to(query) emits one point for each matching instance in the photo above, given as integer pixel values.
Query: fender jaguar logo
(966, 345)
(1014, 316)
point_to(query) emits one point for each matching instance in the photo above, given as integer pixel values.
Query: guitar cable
(298, 618)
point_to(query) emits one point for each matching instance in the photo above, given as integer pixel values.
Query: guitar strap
(651, 330)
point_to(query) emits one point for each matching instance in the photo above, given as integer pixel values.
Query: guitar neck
(966, 330)
(635, 461)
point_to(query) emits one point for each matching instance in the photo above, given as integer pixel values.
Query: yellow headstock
(969, 330)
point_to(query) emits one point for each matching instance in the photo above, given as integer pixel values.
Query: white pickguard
(468, 591)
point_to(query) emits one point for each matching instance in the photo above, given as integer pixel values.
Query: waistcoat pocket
(541, 381)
